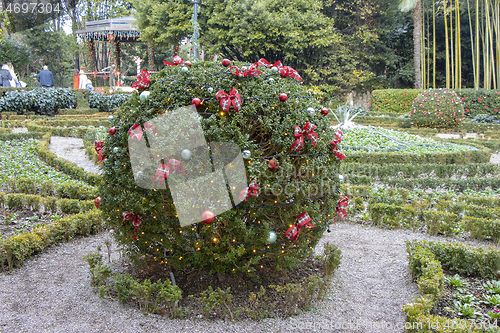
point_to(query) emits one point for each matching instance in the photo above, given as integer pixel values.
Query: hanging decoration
(293, 232)
(136, 222)
(252, 71)
(250, 191)
(137, 61)
(136, 132)
(177, 61)
(99, 145)
(143, 80)
(308, 131)
(163, 171)
(283, 70)
(226, 100)
(342, 208)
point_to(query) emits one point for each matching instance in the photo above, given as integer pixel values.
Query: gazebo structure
(114, 31)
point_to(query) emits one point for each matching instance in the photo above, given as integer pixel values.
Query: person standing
(83, 80)
(76, 79)
(14, 82)
(45, 78)
(5, 76)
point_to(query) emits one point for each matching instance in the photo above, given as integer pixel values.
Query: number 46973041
(32, 7)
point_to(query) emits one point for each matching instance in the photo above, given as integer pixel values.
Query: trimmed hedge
(463, 157)
(48, 188)
(32, 202)
(40, 100)
(16, 249)
(394, 100)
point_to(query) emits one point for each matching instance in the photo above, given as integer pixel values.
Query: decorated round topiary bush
(437, 108)
(272, 133)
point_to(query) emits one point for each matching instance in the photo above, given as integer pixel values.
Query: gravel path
(51, 292)
(72, 149)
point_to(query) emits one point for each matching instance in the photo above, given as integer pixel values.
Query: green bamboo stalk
(452, 47)
(447, 51)
(478, 62)
(472, 47)
(459, 48)
(434, 44)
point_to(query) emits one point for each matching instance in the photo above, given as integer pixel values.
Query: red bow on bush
(337, 140)
(293, 232)
(341, 208)
(99, 145)
(289, 71)
(97, 202)
(251, 71)
(177, 61)
(163, 171)
(308, 131)
(250, 191)
(143, 80)
(339, 155)
(226, 99)
(136, 222)
(265, 63)
(136, 132)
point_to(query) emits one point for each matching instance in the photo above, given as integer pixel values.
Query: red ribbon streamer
(177, 61)
(339, 155)
(341, 208)
(337, 140)
(99, 145)
(136, 222)
(250, 191)
(252, 71)
(143, 80)
(293, 232)
(308, 131)
(163, 171)
(265, 63)
(289, 71)
(136, 132)
(226, 100)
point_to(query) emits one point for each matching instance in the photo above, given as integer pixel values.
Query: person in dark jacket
(5, 76)
(45, 78)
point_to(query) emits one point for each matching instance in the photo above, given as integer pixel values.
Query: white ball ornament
(210, 89)
(274, 69)
(186, 154)
(110, 117)
(246, 154)
(341, 178)
(244, 68)
(144, 96)
(116, 150)
(271, 79)
(271, 238)
(184, 69)
(311, 110)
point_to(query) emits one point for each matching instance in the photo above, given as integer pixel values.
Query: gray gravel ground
(72, 150)
(51, 292)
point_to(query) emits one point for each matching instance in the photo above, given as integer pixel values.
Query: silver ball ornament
(246, 154)
(341, 178)
(271, 79)
(210, 89)
(274, 69)
(144, 96)
(186, 154)
(184, 69)
(311, 110)
(271, 238)
(116, 150)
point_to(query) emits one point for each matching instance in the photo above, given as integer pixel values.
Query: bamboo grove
(465, 35)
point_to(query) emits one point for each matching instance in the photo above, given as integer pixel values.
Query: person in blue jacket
(45, 78)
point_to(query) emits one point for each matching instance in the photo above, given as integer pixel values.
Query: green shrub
(106, 103)
(41, 101)
(397, 101)
(480, 101)
(437, 108)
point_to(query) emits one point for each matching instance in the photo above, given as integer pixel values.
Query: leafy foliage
(41, 101)
(106, 103)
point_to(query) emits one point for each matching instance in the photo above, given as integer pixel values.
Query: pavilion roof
(122, 28)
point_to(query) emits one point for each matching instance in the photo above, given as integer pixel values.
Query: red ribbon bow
(177, 61)
(250, 191)
(339, 155)
(341, 208)
(136, 222)
(251, 71)
(143, 80)
(265, 63)
(299, 134)
(136, 132)
(163, 171)
(289, 71)
(148, 126)
(337, 140)
(99, 145)
(226, 99)
(293, 232)
(97, 202)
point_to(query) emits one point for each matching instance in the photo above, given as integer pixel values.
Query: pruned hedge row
(16, 249)
(49, 188)
(58, 122)
(462, 157)
(482, 101)
(77, 132)
(65, 166)
(37, 203)
(426, 262)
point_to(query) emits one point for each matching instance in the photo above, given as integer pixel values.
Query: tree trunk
(417, 44)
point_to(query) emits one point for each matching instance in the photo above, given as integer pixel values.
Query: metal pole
(195, 33)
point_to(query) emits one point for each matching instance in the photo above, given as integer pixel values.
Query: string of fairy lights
(279, 245)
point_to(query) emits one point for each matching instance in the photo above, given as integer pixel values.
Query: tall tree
(416, 5)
